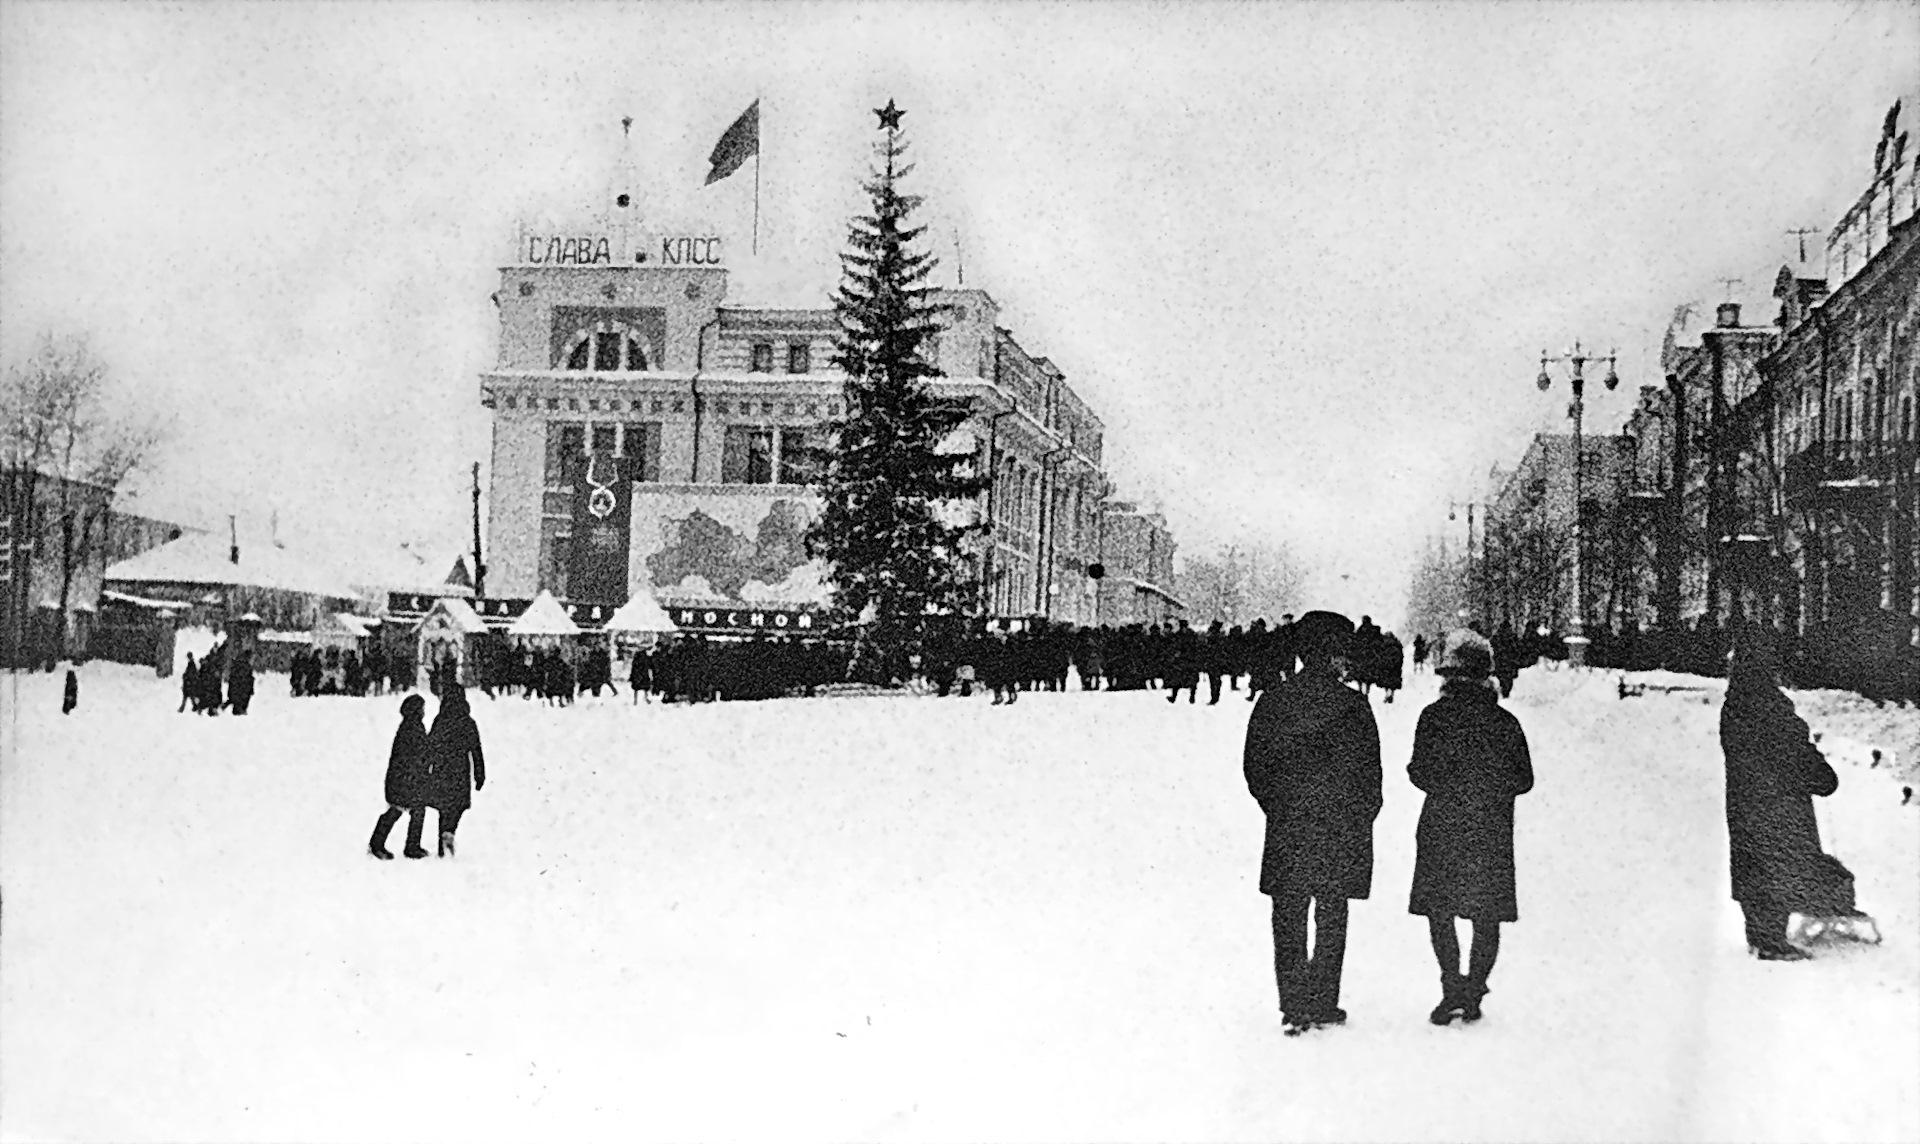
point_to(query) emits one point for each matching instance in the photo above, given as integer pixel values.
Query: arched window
(609, 347)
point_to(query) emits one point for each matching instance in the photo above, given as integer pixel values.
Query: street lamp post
(1577, 358)
(1474, 582)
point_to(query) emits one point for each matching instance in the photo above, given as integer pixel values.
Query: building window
(762, 357)
(799, 357)
(747, 458)
(605, 439)
(564, 439)
(802, 459)
(640, 444)
(607, 350)
(1906, 418)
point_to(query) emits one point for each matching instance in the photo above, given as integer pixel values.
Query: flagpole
(756, 197)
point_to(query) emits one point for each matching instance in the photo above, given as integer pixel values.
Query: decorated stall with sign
(450, 641)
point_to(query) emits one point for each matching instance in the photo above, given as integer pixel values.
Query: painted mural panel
(692, 547)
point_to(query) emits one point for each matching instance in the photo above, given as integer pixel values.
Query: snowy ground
(887, 919)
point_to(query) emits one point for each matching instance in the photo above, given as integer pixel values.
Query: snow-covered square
(889, 918)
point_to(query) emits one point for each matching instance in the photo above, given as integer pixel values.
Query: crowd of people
(1172, 655)
(212, 684)
(345, 671)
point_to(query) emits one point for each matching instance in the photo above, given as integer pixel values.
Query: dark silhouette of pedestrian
(1774, 771)
(1312, 762)
(240, 691)
(455, 766)
(190, 685)
(407, 780)
(1470, 756)
(72, 698)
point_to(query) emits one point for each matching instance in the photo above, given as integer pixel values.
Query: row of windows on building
(799, 357)
(1878, 417)
(659, 405)
(750, 454)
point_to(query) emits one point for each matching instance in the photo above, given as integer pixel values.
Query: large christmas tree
(886, 527)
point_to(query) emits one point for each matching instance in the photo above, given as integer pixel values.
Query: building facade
(1528, 564)
(650, 437)
(41, 562)
(1137, 558)
(1835, 428)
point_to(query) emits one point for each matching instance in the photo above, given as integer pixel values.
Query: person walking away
(1393, 659)
(1312, 762)
(72, 697)
(640, 675)
(1773, 774)
(189, 685)
(240, 693)
(406, 787)
(1470, 757)
(1213, 655)
(455, 765)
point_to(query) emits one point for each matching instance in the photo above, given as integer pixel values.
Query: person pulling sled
(1791, 891)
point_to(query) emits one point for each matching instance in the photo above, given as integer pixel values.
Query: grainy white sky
(1301, 258)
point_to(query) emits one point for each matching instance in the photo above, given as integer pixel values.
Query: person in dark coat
(190, 685)
(1312, 762)
(1774, 771)
(406, 781)
(72, 698)
(1470, 756)
(455, 766)
(240, 692)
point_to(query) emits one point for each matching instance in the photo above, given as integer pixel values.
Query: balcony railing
(1843, 468)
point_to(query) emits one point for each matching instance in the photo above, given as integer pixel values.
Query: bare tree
(68, 451)
(1243, 582)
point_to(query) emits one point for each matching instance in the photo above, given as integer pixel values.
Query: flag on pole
(740, 143)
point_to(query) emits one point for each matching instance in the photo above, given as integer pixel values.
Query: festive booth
(451, 637)
(544, 624)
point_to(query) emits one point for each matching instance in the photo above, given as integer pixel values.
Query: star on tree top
(889, 116)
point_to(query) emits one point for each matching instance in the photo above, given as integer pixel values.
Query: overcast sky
(1301, 259)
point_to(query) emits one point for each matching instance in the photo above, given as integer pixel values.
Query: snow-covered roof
(143, 602)
(425, 571)
(641, 613)
(358, 627)
(203, 558)
(544, 617)
(459, 612)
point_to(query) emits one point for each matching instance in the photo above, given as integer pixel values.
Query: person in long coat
(406, 787)
(455, 765)
(1774, 771)
(240, 694)
(72, 697)
(1312, 762)
(1470, 756)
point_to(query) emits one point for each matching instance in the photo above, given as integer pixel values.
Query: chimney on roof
(1727, 315)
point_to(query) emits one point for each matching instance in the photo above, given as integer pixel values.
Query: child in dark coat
(406, 781)
(72, 699)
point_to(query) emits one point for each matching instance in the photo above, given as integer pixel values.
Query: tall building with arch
(650, 436)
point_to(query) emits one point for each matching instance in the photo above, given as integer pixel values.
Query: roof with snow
(458, 613)
(203, 558)
(544, 617)
(641, 613)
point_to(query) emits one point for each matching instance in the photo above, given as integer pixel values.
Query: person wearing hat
(1312, 762)
(1470, 757)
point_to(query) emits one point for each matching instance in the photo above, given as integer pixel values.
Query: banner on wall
(602, 530)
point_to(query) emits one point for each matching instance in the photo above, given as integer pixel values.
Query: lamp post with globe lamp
(1577, 358)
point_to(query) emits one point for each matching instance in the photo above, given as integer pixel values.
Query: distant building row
(1773, 474)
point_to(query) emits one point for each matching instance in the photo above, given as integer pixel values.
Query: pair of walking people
(439, 767)
(1312, 762)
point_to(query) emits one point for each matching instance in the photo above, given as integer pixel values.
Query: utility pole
(479, 568)
(1801, 233)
